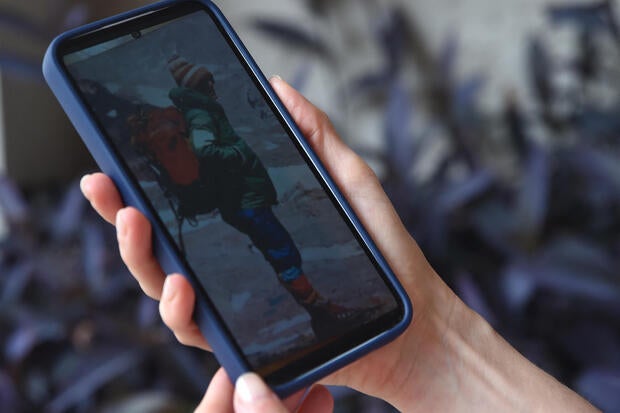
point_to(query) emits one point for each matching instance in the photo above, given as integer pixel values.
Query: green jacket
(232, 171)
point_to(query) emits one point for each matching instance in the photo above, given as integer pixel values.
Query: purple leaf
(601, 168)
(21, 342)
(9, 400)
(372, 82)
(540, 68)
(518, 288)
(517, 126)
(591, 342)
(539, 352)
(148, 311)
(319, 7)
(36, 387)
(293, 36)
(21, 67)
(301, 76)
(12, 203)
(77, 15)
(94, 257)
(447, 57)
(450, 198)
(575, 283)
(67, 219)
(602, 387)
(22, 24)
(87, 384)
(465, 94)
(191, 366)
(595, 16)
(595, 124)
(400, 144)
(391, 32)
(532, 201)
(471, 294)
(117, 283)
(581, 255)
(456, 195)
(15, 281)
(567, 266)
(494, 222)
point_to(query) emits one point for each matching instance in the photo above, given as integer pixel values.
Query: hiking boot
(327, 318)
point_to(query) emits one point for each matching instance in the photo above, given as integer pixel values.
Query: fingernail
(84, 187)
(277, 77)
(121, 221)
(167, 293)
(251, 388)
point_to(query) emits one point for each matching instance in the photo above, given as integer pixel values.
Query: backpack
(161, 135)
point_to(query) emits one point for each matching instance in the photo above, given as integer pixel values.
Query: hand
(449, 359)
(251, 395)
(362, 189)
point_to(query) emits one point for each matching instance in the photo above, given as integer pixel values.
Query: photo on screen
(227, 181)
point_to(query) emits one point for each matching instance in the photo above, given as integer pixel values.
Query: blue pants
(270, 237)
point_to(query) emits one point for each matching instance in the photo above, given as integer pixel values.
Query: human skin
(448, 360)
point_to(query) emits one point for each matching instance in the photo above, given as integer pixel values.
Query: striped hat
(190, 75)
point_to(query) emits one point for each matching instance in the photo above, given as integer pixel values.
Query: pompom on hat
(191, 75)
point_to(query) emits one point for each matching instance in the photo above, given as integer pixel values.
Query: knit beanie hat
(189, 75)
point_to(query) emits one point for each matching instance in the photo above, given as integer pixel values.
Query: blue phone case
(205, 314)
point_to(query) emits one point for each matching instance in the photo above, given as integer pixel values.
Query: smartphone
(174, 109)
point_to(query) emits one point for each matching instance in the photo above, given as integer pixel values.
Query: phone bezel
(360, 340)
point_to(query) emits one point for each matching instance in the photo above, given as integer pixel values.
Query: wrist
(501, 378)
(469, 367)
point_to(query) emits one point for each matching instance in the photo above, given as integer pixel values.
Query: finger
(176, 309)
(319, 399)
(102, 194)
(294, 401)
(133, 232)
(253, 396)
(219, 395)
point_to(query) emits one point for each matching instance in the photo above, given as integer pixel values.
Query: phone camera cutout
(136, 35)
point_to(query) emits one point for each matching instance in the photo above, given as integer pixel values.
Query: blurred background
(494, 127)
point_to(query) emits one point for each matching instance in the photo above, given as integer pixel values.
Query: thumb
(253, 396)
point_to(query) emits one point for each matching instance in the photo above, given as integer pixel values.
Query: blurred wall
(488, 35)
(38, 146)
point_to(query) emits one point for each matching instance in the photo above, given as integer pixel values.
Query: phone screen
(229, 183)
